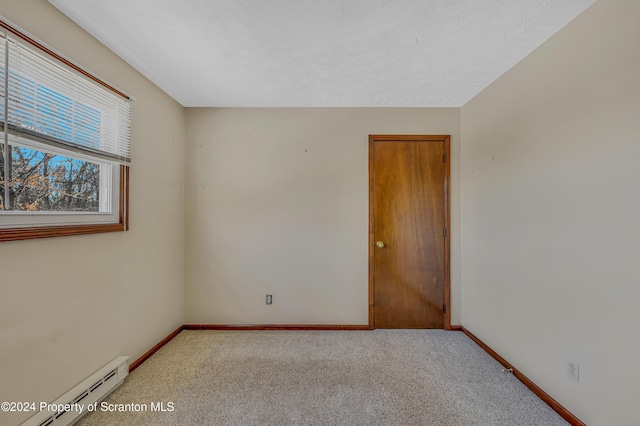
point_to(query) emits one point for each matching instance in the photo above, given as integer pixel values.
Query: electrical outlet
(269, 299)
(573, 370)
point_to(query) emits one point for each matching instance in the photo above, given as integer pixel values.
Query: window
(64, 144)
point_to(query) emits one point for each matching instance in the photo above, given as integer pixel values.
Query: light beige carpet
(380, 377)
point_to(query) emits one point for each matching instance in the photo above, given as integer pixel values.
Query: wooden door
(408, 262)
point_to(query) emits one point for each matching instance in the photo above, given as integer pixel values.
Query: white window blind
(43, 99)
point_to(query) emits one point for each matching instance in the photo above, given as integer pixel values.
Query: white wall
(550, 214)
(277, 203)
(69, 305)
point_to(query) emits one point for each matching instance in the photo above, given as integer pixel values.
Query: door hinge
(444, 158)
(444, 308)
(444, 232)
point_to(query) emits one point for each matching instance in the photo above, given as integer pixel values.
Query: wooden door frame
(447, 215)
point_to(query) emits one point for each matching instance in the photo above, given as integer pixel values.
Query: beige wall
(277, 203)
(70, 305)
(550, 208)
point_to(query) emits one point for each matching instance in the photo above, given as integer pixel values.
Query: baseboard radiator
(92, 390)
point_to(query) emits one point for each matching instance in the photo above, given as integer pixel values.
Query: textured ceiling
(299, 53)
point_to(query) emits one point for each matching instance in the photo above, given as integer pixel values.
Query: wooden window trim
(17, 234)
(61, 58)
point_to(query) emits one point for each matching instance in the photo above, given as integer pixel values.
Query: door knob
(380, 244)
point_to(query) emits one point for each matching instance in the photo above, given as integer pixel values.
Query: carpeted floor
(379, 377)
